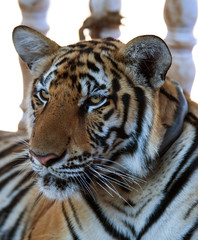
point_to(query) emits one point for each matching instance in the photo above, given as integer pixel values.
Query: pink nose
(44, 160)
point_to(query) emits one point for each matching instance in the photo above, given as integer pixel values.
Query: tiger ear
(31, 45)
(148, 59)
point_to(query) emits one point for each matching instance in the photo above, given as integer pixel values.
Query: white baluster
(34, 15)
(180, 17)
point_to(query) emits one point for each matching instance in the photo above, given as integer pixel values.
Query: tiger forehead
(99, 44)
(95, 48)
(81, 67)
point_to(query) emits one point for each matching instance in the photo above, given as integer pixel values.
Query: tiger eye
(95, 99)
(44, 95)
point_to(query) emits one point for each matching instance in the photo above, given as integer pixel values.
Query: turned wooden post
(180, 17)
(33, 15)
(104, 21)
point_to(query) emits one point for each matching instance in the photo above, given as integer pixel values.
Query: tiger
(112, 145)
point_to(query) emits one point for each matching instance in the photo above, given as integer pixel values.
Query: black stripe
(86, 50)
(139, 95)
(115, 74)
(110, 44)
(16, 225)
(105, 48)
(114, 98)
(193, 116)
(169, 196)
(26, 178)
(41, 214)
(74, 79)
(194, 205)
(11, 165)
(91, 135)
(117, 207)
(10, 149)
(131, 228)
(62, 61)
(98, 126)
(170, 97)
(115, 84)
(100, 141)
(128, 202)
(130, 83)
(81, 45)
(98, 57)
(36, 80)
(108, 115)
(48, 77)
(75, 213)
(94, 42)
(80, 63)
(186, 157)
(89, 76)
(73, 67)
(103, 219)
(191, 231)
(140, 117)
(69, 224)
(92, 66)
(63, 75)
(114, 64)
(38, 199)
(25, 227)
(5, 212)
(121, 130)
(142, 207)
(8, 179)
(125, 99)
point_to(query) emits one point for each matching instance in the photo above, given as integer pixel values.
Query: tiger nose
(44, 159)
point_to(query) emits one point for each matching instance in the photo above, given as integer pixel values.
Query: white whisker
(104, 181)
(98, 177)
(116, 181)
(90, 181)
(23, 141)
(116, 171)
(86, 186)
(126, 177)
(123, 169)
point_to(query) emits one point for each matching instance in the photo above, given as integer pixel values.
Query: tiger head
(94, 111)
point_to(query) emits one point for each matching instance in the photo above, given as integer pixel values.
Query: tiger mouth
(70, 176)
(65, 179)
(71, 172)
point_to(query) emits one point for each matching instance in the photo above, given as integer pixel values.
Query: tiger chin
(111, 137)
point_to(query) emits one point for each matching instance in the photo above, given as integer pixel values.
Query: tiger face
(94, 116)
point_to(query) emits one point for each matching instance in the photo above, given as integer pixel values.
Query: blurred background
(65, 17)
